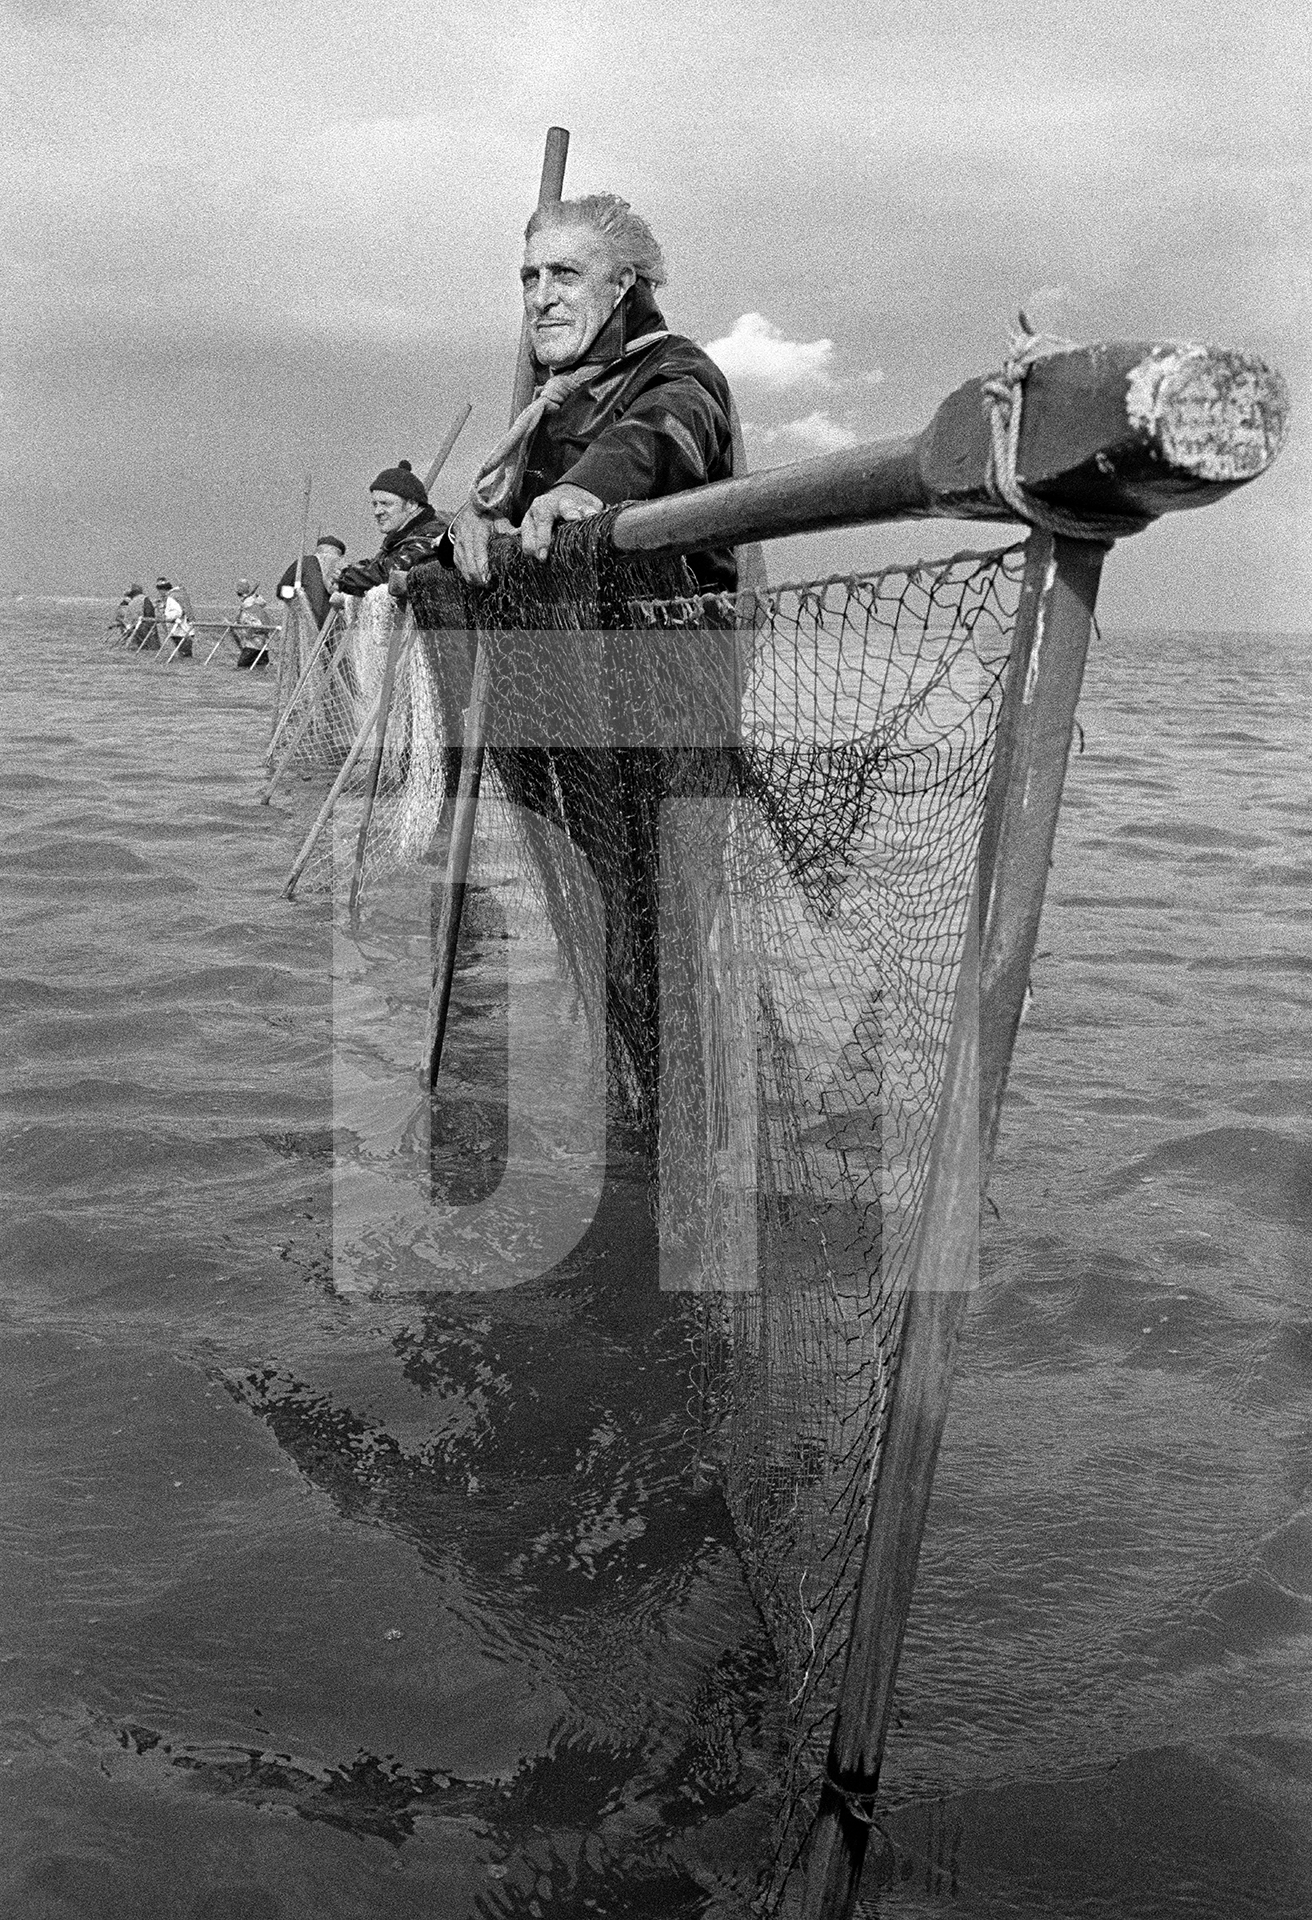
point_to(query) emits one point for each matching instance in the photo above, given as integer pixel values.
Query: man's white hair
(632, 242)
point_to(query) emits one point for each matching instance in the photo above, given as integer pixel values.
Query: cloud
(755, 349)
(795, 439)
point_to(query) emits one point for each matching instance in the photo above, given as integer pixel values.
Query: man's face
(569, 291)
(330, 561)
(390, 510)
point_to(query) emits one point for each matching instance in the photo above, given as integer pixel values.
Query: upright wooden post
(550, 188)
(305, 528)
(1038, 715)
(284, 674)
(306, 719)
(474, 744)
(344, 773)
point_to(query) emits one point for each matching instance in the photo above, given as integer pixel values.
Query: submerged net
(331, 716)
(779, 797)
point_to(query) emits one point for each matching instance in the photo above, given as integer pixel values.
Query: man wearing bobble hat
(410, 527)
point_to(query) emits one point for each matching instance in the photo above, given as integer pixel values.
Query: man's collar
(632, 319)
(420, 514)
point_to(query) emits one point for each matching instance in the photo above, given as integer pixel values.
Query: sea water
(320, 1599)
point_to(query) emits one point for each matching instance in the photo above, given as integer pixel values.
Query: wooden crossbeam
(1128, 429)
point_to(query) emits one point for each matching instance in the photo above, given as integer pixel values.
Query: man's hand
(396, 584)
(470, 533)
(562, 503)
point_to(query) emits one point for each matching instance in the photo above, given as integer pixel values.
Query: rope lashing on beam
(1005, 398)
(861, 1806)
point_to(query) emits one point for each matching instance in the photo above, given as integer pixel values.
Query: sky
(245, 241)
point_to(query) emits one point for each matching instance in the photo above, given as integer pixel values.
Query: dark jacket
(134, 612)
(415, 541)
(649, 424)
(312, 585)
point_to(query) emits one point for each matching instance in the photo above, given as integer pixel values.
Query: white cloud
(796, 439)
(755, 349)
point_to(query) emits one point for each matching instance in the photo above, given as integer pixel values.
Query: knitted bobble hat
(401, 480)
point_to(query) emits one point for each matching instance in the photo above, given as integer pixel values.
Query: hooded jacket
(406, 547)
(648, 423)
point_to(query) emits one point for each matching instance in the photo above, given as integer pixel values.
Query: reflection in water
(393, 1592)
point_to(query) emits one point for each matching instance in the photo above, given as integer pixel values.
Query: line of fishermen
(167, 622)
(623, 409)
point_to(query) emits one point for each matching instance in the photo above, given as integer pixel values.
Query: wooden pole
(389, 674)
(457, 870)
(449, 439)
(550, 188)
(279, 710)
(376, 764)
(304, 611)
(284, 655)
(321, 819)
(305, 529)
(1025, 786)
(474, 744)
(217, 644)
(1129, 429)
(302, 726)
(178, 643)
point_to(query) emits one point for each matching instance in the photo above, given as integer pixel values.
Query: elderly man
(319, 571)
(624, 410)
(410, 527)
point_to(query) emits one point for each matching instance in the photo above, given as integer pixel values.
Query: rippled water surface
(321, 1599)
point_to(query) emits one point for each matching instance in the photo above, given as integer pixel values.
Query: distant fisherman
(411, 529)
(624, 409)
(253, 615)
(136, 615)
(319, 571)
(179, 618)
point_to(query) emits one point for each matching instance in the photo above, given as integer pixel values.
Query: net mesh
(779, 797)
(328, 716)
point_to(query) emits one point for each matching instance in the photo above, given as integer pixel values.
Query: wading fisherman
(319, 571)
(179, 619)
(136, 615)
(410, 526)
(252, 627)
(624, 409)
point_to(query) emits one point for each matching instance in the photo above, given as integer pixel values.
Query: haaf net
(298, 648)
(332, 713)
(779, 798)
